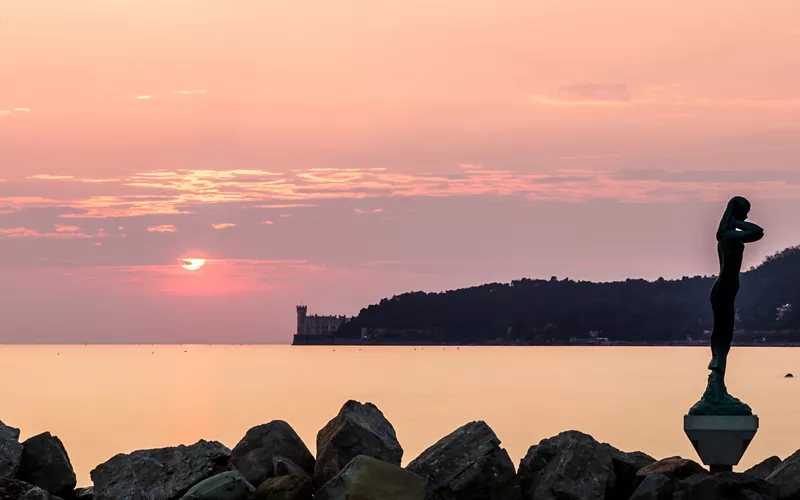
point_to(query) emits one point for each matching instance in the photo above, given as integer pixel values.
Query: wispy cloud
(58, 233)
(367, 211)
(224, 225)
(268, 222)
(8, 112)
(189, 92)
(180, 192)
(164, 228)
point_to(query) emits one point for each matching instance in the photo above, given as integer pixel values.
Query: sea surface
(104, 400)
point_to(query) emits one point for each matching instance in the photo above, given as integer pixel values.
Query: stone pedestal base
(720, 440)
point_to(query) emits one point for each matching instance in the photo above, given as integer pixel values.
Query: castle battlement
(317, 325)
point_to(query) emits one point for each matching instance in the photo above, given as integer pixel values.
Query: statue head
(739, 207)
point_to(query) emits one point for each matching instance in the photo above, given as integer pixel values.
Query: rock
(786, 477)
(367, 478)
(765, 468)
(659, 478)
(229, 485)
(468, 464)
(84, 493)
(282, 466)
(358, 429)
(37, 493)
(675, 468)
(788, 375)
(10, 451)
(45, 464)
(12, 489)
(655, 486)
(159, 474)
(289, 487)
(724, 486)
(254, 454)
(575, 465)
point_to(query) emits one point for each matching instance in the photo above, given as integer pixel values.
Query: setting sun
(193, 264)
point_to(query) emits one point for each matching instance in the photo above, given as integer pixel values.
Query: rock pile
(359, 458)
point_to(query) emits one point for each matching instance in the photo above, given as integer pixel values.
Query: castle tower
(301, 319)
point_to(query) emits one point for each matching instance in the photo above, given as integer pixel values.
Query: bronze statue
(733, 232)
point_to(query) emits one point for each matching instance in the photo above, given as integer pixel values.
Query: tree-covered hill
(555, 310)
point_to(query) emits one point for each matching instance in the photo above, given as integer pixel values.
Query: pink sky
(337, 153)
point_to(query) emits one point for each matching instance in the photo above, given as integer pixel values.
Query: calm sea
(103, 400)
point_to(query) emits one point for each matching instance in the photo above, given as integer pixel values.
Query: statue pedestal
(720, 440)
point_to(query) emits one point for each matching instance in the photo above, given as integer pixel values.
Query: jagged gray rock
(84, 493)
(367, 478)
(12, 489)
(575, 465)
(786, 477)
(655, 486)
(358, 429)
(764, 468)
(468, 464)
(290, 487)
(282, 466)
(660, 477)
(45, 464)
(10, 451)
(37, 493)
(159, 474)
(230, 485)
(725, 486)
(253, 455)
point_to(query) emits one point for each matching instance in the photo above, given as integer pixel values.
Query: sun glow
(193, 264)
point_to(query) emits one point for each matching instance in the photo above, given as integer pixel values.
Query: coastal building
(317, 325)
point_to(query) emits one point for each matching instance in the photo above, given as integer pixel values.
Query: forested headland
(537, 311)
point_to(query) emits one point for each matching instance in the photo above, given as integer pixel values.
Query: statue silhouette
(733, 232)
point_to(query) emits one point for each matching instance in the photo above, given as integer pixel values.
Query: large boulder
(575, 465)
(358, 429)
(84, 493)
(12, 489)
(159, 474)
(289, 487)
(764, 468)
(659, 478)
(260, 445)
(786, 477)
(282, 466)
(45, 464)
(10, 451)
(724, 486)
(366, 478)
(37, 493)
(230, 485)
(468, 464)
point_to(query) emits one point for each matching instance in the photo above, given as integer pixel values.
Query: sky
(336, 153)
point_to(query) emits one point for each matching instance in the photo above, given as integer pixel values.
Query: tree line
(555, 310)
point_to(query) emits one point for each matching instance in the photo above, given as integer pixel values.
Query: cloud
(597, 92)
(268, 222)
(143, 97)
(49, 177)
(24, 232)
(224, 225)
(185, 192)
(373, 211)
(67, 229)
(8, 112)
(164, 228)
(287, 205)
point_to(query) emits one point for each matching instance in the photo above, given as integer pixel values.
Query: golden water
(104, 400)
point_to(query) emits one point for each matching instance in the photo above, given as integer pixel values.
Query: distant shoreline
(325, 340)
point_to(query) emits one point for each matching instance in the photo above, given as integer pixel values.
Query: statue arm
(746, 232)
